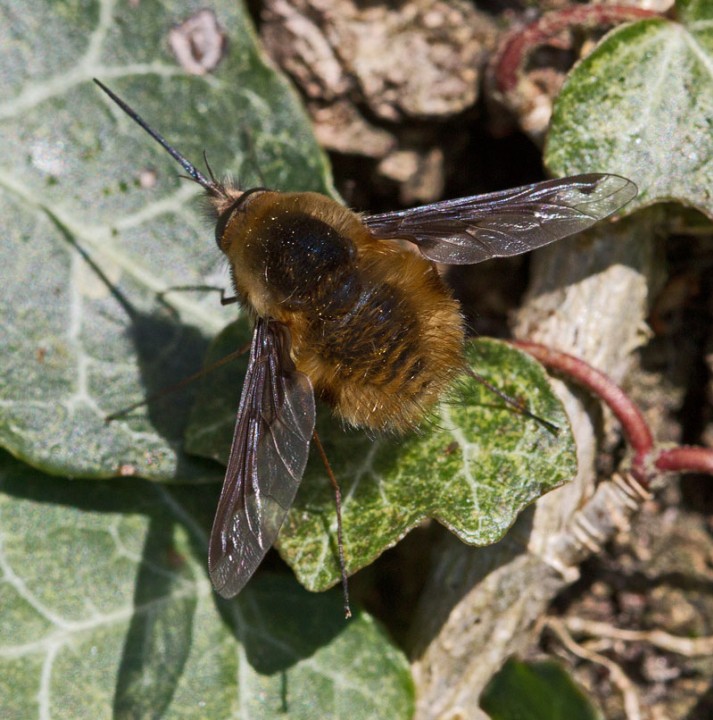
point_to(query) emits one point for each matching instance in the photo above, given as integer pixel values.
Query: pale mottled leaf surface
(107, 612)
(641, 105)
(98, 225)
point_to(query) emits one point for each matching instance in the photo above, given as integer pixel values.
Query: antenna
(193, 173)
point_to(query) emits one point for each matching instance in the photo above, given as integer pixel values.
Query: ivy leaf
(641, 105)
(473, 467)
(99, 227)
(536, 691)
(107, 612)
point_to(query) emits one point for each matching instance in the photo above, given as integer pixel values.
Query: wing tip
(606, 192)
(227, 584)
(622, 188)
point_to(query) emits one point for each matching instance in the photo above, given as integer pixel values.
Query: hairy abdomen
(383, 358)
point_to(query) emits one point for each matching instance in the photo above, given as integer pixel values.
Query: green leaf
(473, 467)
(536, 691)
(641, 105)
(107, 613)
(98, 225)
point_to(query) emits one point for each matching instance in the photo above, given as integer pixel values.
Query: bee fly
(343, 312)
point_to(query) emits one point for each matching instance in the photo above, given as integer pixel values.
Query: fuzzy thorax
(372, 324)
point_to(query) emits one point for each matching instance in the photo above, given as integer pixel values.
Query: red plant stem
(686, 458)
(517, 46)
(634, 426)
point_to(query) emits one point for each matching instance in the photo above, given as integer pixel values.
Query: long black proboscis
(193, 173)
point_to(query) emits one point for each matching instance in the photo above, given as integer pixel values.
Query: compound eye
(227, 215)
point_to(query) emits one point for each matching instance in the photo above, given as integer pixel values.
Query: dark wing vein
(469, 230)
(267, 459)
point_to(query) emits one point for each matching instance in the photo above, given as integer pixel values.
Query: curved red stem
(686, 458)
(514, 50)
(634, 426)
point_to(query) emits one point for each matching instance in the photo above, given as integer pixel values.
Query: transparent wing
(267, 459)
(472, 229)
